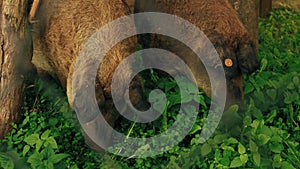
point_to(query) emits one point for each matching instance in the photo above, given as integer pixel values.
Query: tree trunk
(16, 52)
(130, 4)
(265, 7)
(248, 11)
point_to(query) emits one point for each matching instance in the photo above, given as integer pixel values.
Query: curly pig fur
(61, 29)
(63, 26)
(220, 23)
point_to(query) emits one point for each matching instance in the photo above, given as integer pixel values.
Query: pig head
(220, 23)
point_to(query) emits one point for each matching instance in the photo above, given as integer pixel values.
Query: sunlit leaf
(236, 162)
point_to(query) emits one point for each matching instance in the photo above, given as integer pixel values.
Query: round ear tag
(228, 62)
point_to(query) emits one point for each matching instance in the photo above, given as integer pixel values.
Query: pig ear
(246, 56)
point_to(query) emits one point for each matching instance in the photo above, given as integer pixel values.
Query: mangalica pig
(220, 23)
(60, 30)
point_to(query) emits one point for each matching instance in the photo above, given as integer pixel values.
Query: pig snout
(247, 60)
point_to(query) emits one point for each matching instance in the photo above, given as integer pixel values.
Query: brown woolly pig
(61, 28)
(220, 23)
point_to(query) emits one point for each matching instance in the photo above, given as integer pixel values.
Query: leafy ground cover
(267, 135)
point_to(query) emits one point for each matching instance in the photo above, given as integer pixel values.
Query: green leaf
(263, 139)
(38, 145)
(241, 149)
(276, 147)
(272, 93)
(74, 167)
(49, 165)
(291, 86)
(186, 96)
(276, 138)
(247, 121)
(220, 138)
(195, 129)
(248, 88)
(35, 159)
(233, 109)
(260, 96)
(290, 97)
(232, 140)
(32, 139)
(25, 121)
(57, 158)
(264, 64)
(287, 165)
(142, 149)
(236, 162)
(47, 151)
(296, 80)
(258, 114)
(271, 116)
(174, 99)
(277, 161)
(26, 149)
(45, 135)
(205, 149)
(159, 106)
(6, 162)
(244, 158)
(225, 147)
(193, 88)
(53, 121)
(199, 98)
(266, 130)
(253, 147)
(156, 96)
(256, 158)
(52, 142)
(225, 161)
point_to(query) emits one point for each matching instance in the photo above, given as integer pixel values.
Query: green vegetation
(268, 136)
(49, 136)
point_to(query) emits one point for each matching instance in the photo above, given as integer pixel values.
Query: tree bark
(130, 4)
(265, 7)
(248, 11)
(15, 57)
